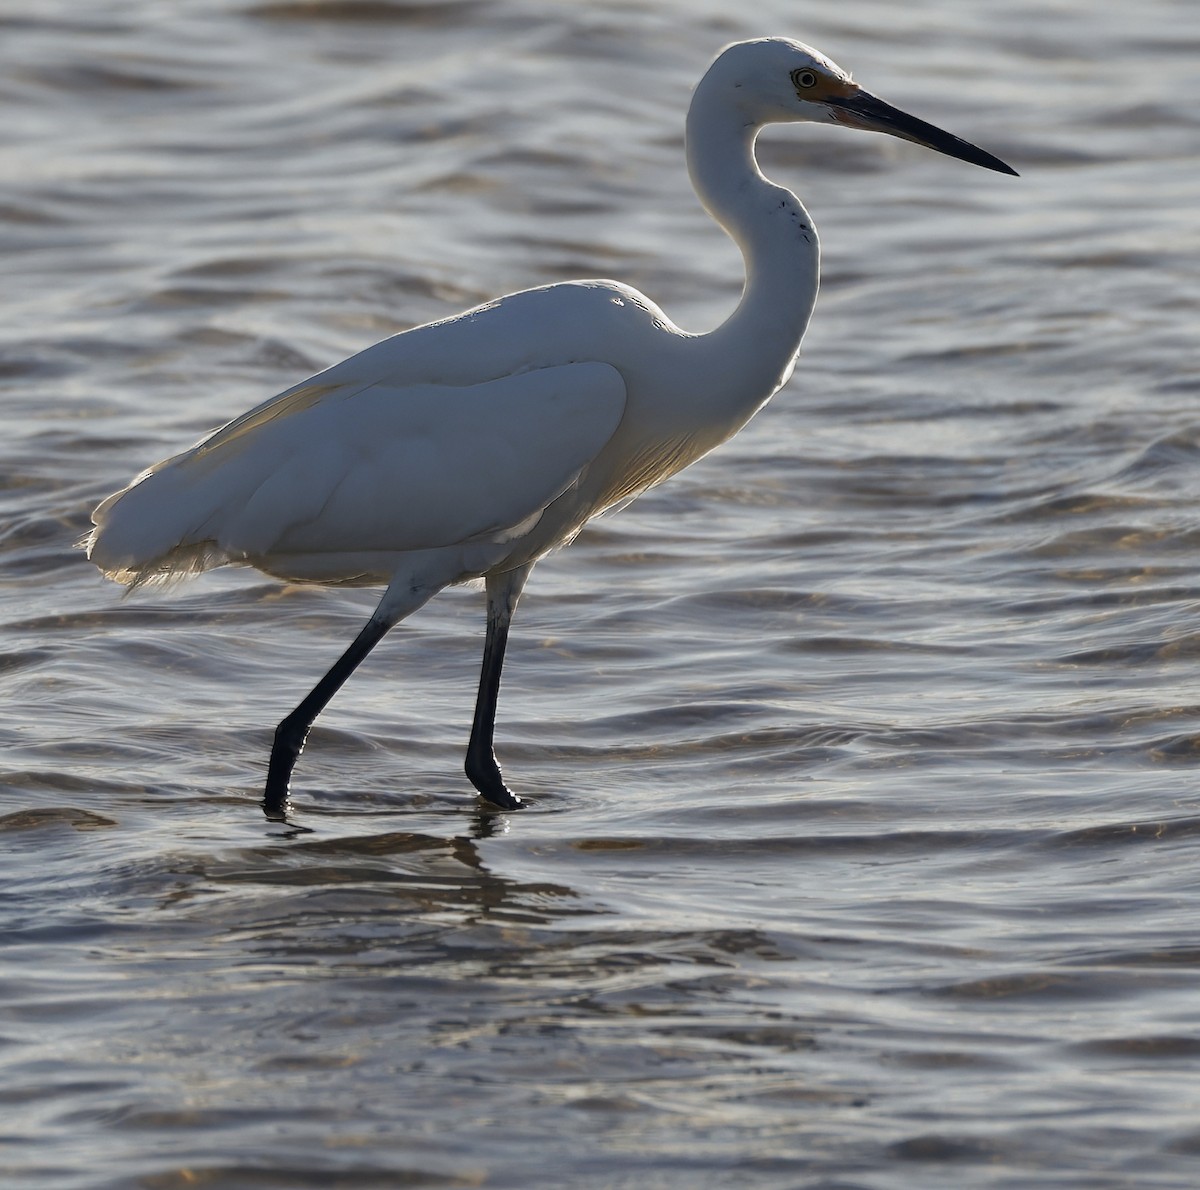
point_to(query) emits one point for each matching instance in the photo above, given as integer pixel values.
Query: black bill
(863, 110)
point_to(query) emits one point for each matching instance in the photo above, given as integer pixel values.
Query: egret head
(777, 80)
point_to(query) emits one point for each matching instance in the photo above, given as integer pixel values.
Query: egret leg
(503, 591)
(292, 731)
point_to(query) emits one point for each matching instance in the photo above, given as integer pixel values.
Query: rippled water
(862, 755)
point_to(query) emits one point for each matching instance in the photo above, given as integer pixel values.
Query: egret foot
(289, 743)
(484, 774)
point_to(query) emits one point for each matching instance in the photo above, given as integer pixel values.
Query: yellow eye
(804, 78)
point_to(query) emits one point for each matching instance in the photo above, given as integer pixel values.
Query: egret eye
(804, 78)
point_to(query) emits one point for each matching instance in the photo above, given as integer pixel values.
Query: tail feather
(154, 531)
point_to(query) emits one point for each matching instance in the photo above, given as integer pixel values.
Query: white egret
(470, 447)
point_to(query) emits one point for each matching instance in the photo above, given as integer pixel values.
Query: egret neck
(755, 349)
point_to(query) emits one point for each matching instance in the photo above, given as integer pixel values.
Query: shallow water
(861, 756)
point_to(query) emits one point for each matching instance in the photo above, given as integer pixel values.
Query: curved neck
(776, 237)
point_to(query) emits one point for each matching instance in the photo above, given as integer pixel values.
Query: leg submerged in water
(399, 600)
(293, 730)
(503, 591)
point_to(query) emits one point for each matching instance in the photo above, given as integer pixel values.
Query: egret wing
(374, 468)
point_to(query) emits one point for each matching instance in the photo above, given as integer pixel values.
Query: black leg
(291, 733)
(484, 773)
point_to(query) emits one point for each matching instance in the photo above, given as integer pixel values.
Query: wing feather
(376, 467)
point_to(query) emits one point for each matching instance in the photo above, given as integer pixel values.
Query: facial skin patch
(818, 87)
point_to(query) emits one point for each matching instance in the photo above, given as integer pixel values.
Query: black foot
(484, 774)
(289, 742)
(275, 794)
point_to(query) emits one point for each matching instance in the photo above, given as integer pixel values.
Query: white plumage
(469, 447)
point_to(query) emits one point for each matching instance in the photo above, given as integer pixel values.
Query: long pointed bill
(864, 110)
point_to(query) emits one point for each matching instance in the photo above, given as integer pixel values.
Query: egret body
(470, 447)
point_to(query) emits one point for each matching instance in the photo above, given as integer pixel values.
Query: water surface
(862, 755)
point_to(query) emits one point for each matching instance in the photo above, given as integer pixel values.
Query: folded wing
(338, 468)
